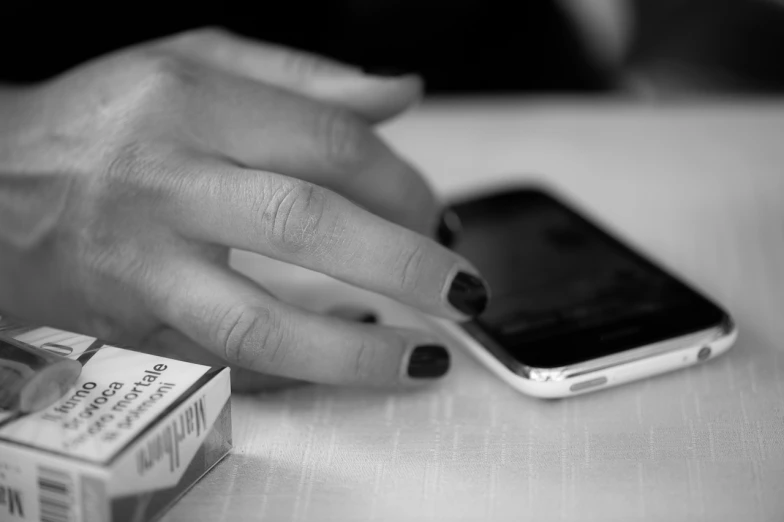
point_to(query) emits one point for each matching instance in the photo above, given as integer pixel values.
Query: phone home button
(580, 386)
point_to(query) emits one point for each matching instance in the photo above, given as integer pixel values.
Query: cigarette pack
(132, 436)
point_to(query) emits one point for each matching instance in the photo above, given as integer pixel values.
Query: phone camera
(704, 353)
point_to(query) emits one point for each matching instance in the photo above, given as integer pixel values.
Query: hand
(124, 183)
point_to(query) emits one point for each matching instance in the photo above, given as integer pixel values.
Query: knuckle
(364, 365)
(138, 173)
(129, 162)
(377, 359)
(251, 336)
(201, 40)
(300, 65)
(408, 268)
(102, 255)
(143, 89)
(210, 34)
(347, 143)
(106, 258)
(163, 78)
(293, 215)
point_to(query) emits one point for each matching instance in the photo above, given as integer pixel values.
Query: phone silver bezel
(608, 362)
(629, 365)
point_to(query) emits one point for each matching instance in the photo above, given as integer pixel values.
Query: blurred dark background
(670, 47)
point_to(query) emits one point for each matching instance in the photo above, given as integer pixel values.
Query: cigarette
(31, 378)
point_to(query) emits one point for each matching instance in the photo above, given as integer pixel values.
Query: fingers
(274, 130)
(304, 224)
(170, 343)
(241, 323)
(375, 98)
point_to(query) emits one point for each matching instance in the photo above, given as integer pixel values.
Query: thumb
(376, 97)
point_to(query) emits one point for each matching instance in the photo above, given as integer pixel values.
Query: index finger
(272, 129)
(307, 225)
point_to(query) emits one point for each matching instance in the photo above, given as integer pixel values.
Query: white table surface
(701, 188)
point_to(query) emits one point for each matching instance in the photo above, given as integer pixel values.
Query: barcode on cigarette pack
(55, 495)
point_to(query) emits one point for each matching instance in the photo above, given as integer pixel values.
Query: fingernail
(386, 72)
(468, 294)
(428, 362)
(368, 318)
(449, 228)
(350, 313)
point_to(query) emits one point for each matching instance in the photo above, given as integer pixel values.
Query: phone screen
(564, 291)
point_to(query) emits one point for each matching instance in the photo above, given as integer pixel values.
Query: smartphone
(573, 308)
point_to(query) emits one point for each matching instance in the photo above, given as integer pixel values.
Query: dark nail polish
(428, 362)
(353, 313)
(386, 72)
(368, 318)
(449, 228)
(468, 294)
